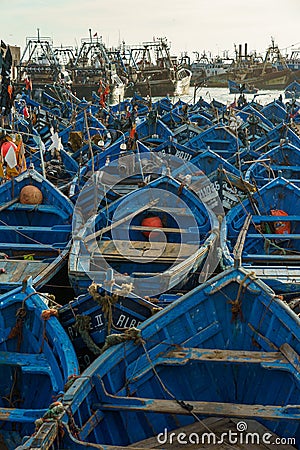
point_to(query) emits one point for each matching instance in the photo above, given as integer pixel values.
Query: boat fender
(31, 195)
(281, 227)
(151, 221)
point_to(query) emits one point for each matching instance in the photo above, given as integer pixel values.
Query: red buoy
(281, 227)
(153, 222)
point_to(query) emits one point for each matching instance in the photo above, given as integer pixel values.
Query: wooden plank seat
(278, 167)
(259, 219)
(48, 209)
(189, 230)
(271, 258)
(182, 356)
(32, 246)
(39, 229)
(21, 415)
(273, 236)
(272, 412)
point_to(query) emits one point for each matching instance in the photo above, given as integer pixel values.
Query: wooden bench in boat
(273, 236)
(164, 229)
(283, 358)
(32, 247)
(21, 415)
(47, 209)
(291, 218)
(250, 257)
(140, 250)
(114, 403)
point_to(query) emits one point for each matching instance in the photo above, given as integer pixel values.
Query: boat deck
(18, 270)
(217, 426)
(166, 252)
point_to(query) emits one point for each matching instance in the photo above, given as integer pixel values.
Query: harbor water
(222, 95)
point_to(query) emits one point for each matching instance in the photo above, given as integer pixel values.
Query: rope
(54, 413)
(131, 334)
(236, 304)
(47, 313)
(83, 326)
(105, 302)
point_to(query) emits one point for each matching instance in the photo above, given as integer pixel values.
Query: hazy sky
(189, 25)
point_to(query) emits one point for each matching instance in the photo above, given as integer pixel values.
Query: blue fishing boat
(119, 237)
(275, 111)
(241, 88)
(115, 172)
(35, 223)
(251, 116)
(283, 159)
(174, 148)
(218, 138)
(152, 131)
(53, 162)
(229, 349)
(91, 317)
(264, 232)
(37, 359)
(225, 178)
(273, 138)
(187, 131)
(292, 90)
(85, 136)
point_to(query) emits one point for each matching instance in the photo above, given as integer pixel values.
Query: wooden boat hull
(36, 359)
(35, 238)
(259, 247)
(148, 265)
(200, 357)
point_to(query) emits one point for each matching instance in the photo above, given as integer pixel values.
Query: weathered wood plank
(215, 425)
(252, 357)
(93, 236)
(290, 355)
(21, 415)
(9, 203)
(203, 408)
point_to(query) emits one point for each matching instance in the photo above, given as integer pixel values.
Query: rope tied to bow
(107, 301)
(47, 313)
(54, 413)
(131, 334)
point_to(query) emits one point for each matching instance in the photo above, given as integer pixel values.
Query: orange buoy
(281, 227)
(153, 222)
(31, 195)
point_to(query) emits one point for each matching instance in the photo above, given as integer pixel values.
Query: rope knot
(47, 313)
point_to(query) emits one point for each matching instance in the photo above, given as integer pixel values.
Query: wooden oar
(120, 221)
(9, 203)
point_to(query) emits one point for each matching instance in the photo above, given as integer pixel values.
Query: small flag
(95, 35)
(56, 142)
(10, 157)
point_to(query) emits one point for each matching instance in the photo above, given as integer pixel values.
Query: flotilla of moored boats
(175, 227)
